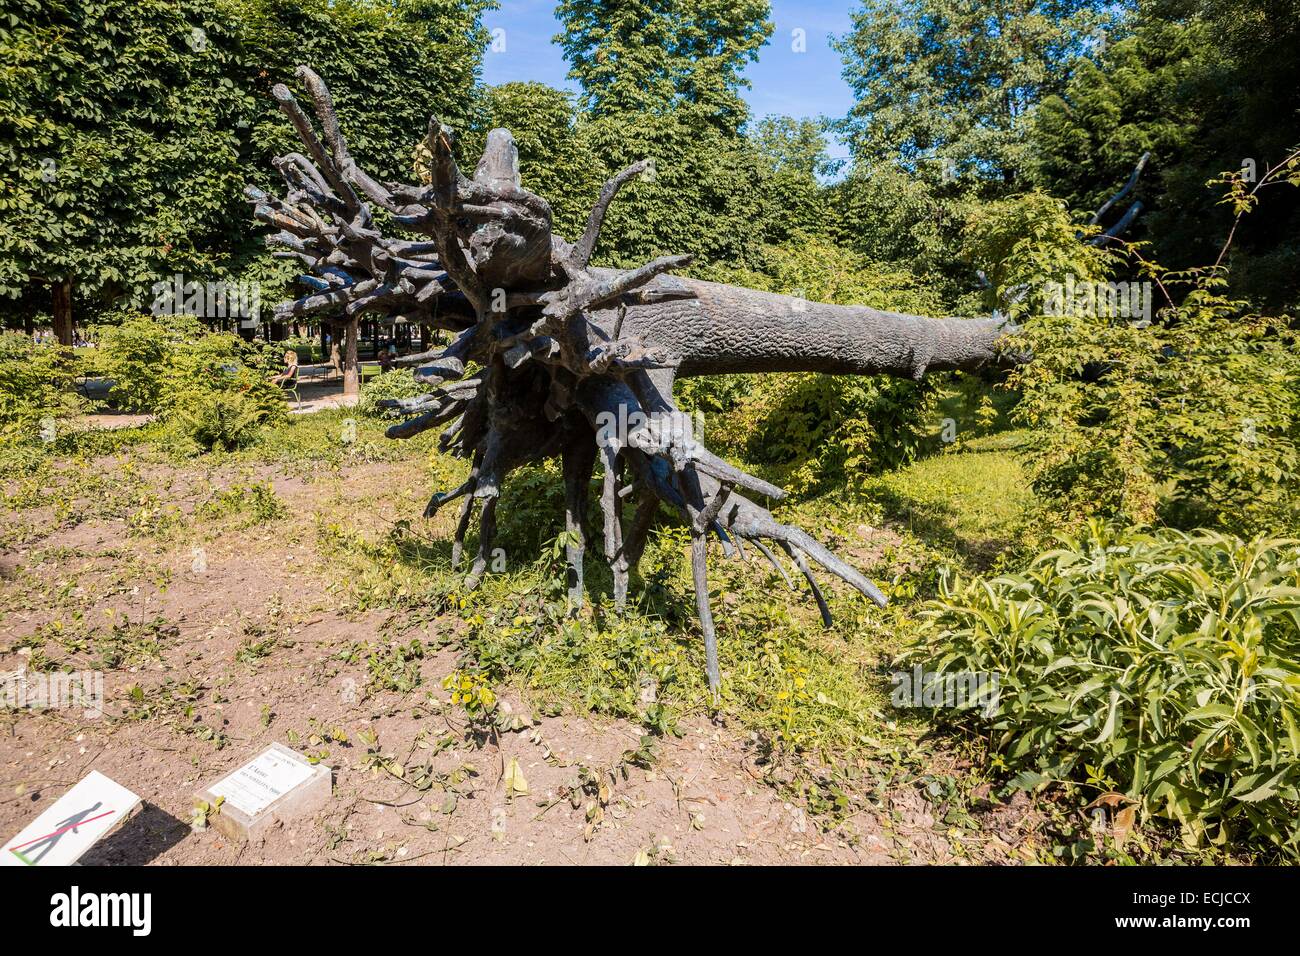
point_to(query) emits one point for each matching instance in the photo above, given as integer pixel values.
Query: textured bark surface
(552, 357)
(724, 328)
(64, 329)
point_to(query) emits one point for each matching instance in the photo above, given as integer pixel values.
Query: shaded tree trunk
(351, 373)
(63, 310)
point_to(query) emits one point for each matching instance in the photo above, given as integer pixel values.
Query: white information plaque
(263, 780)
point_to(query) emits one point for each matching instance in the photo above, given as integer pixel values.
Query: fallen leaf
(516, 785)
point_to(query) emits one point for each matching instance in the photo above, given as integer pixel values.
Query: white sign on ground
(263, 780)
(72, 825)
(278, 785)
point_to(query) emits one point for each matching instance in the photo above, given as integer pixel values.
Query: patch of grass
(972, 502)
(801, 688)
(175, 704)
(78, 643)
(336, 438)
(254, 504)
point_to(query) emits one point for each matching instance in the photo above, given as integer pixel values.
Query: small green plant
(257, 502)
(471, 691)
(395, 667)
(251, 651)
(397, 383)
(204, 811)
(210, 420)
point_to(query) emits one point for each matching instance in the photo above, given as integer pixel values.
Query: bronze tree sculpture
(562, 349)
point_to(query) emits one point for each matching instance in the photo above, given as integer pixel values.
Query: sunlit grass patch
(973, 502)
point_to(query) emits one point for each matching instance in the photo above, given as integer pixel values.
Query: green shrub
(398, 383)
(36, 383)
(209, 389)
(220, 420)
(1165, 666)
(1191, 421)
(1022, 243)
(826, 430)
(137, 353)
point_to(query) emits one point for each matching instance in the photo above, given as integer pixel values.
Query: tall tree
(653, 56)
(126, 126)
(944, 86)
(1207, 87)
(661, 79)
(796, 151)
(555, 160)
(118, 149)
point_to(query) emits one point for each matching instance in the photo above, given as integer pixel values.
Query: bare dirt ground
(245, 645)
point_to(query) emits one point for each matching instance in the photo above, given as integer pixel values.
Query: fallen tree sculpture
(562, 351)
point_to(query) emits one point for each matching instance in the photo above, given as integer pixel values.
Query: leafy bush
(1022, 243)
(214, 421)
(1165, 666)
(1191, 421)
(36, 382)
(136, 354)
(831, 429)
(209, 389)
(821, 271)
(398, 383)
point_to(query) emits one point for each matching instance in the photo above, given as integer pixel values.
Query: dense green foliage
(944, 87)
(36, 384)
(128, 130)
(209, 389)
(398, 383)
(1205, 86)
(119, 154)
(1193, 420)
(1163, 667)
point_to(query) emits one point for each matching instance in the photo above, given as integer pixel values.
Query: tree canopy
(654, 56)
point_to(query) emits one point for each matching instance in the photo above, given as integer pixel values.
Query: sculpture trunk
(723, 328)
(571, 360)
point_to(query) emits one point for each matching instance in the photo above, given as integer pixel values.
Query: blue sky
(783, 81)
